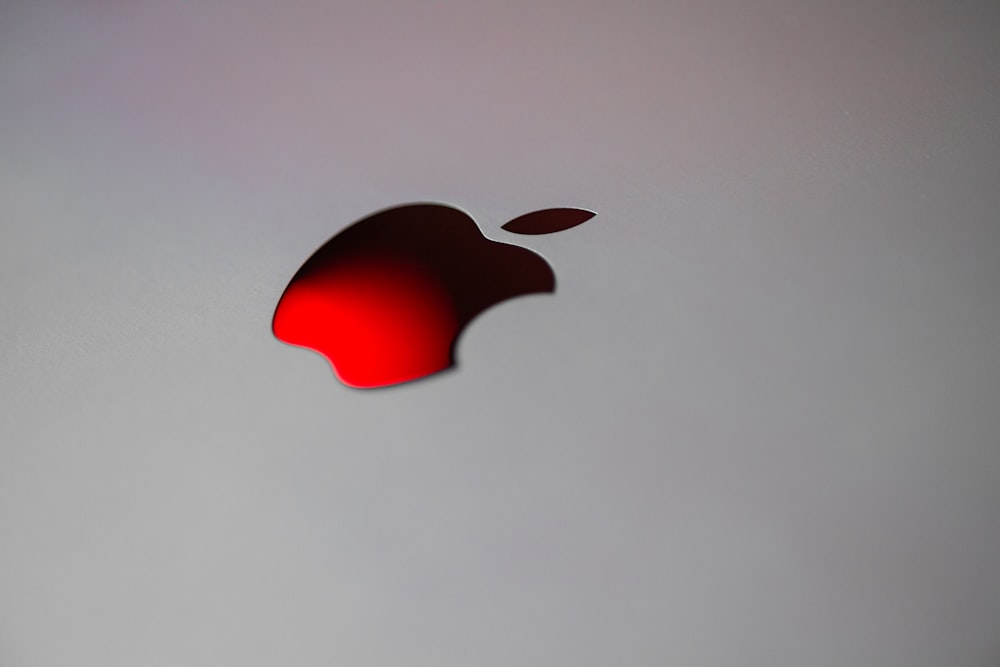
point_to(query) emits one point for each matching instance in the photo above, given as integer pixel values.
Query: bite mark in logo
(386, 299)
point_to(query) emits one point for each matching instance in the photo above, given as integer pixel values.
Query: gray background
(757, 425)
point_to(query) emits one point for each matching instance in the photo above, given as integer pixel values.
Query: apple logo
(386, 299)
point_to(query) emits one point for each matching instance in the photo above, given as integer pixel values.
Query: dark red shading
(386, 299)
(548, 221)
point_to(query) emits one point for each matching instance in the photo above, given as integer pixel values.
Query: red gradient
(386, 299)
(378, 320)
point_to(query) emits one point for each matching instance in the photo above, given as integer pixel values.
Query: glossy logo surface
(386, 299)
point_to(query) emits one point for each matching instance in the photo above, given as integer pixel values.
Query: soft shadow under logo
(386, 299)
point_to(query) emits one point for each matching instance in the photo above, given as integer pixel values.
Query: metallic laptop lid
(754, 424)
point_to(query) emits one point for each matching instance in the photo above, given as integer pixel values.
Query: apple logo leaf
(548, 221)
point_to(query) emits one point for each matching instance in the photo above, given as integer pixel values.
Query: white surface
(757, 424)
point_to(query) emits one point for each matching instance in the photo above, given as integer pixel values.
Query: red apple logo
(386, 299)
